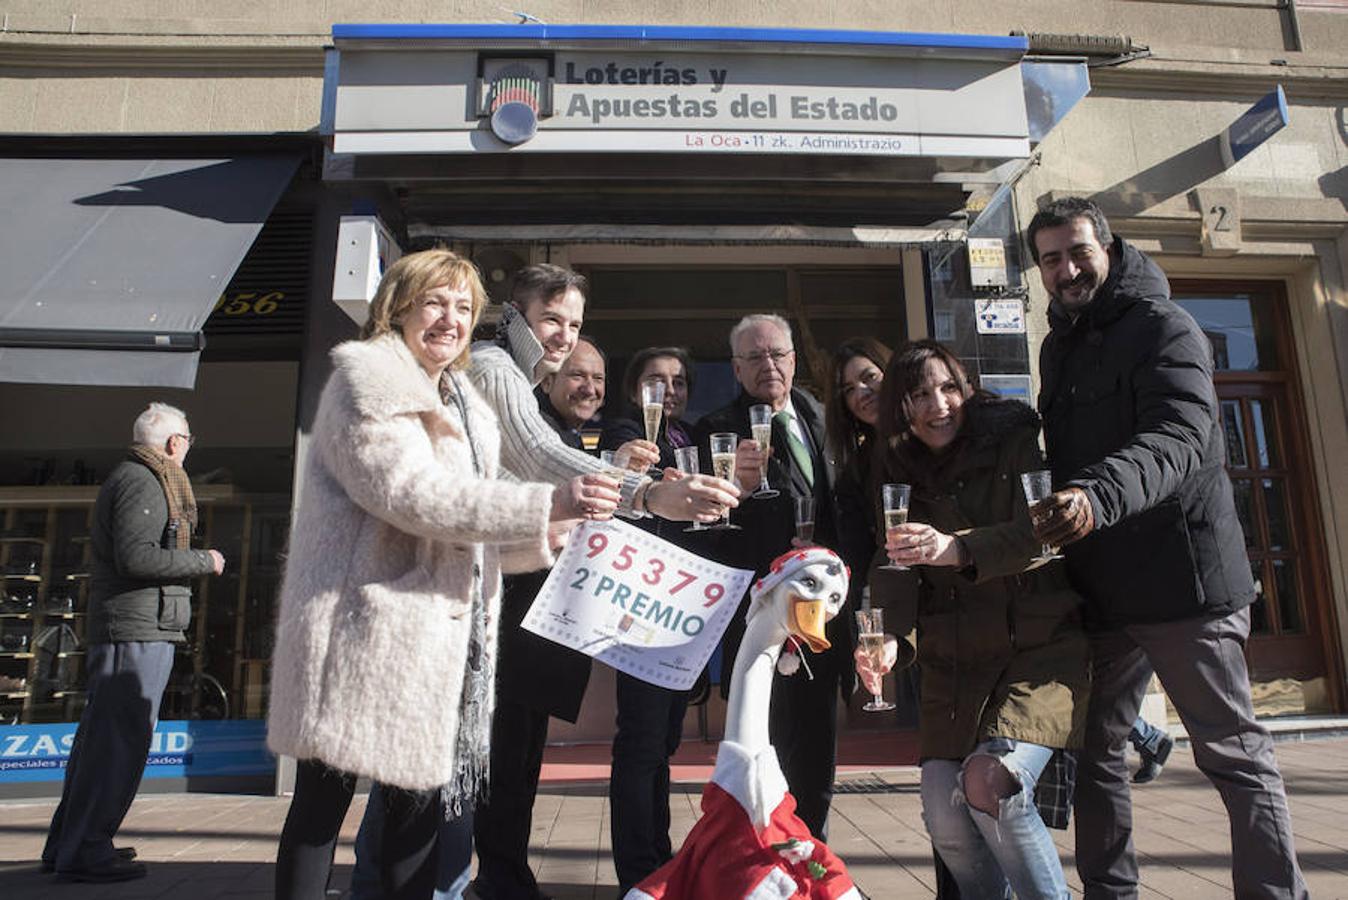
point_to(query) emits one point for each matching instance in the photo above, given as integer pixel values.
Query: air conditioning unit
(498, 264)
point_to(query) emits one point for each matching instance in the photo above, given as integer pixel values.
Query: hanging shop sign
(422, 96)
(1256, 125)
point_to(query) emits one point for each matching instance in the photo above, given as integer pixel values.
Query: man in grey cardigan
(139, 604)
(537, 332)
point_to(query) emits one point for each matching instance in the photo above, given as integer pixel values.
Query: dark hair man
(1144, 511)
(139, 604)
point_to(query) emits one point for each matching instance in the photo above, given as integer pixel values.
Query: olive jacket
(1000, 643)
(140, 585)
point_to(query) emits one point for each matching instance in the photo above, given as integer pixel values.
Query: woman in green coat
(1004, 660)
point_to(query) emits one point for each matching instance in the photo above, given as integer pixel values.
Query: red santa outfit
(749, 843)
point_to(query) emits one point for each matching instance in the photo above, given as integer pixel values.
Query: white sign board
(1000, 315)
(638, 603)
(987, 262)
(424, 100)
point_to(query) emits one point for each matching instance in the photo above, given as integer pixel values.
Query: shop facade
(855, 182)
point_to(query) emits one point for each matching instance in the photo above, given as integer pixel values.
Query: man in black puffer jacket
(1145, 512)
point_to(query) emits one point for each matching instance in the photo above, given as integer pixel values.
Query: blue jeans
(991, 857)
(1145, 735)
(454, 843)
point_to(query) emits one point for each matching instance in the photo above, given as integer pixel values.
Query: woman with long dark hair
(1004, 660)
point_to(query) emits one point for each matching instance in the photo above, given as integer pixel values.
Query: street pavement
(213, 847)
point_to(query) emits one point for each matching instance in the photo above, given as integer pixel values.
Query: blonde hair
(412, 276)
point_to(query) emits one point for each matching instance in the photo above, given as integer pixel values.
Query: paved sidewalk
(205, 847)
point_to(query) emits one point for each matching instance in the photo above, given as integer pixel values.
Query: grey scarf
(471, 752)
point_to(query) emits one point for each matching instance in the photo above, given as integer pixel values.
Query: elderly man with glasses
(140, 601)
(804, 710)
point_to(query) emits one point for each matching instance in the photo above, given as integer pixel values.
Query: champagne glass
(805, 519)
(760, 422)
(871, 641)
(686, 461)
(723, 466)
(895, 498)
(652, 407)
(616, 462)
(1038, 486)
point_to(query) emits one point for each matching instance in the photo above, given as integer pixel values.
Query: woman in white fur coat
(386, 635)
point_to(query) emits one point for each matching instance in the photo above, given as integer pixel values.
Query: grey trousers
(125, 683)
(1201, 663)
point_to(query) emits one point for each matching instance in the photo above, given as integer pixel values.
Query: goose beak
(807, 622)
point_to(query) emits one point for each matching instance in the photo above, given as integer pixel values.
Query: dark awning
(111, 266)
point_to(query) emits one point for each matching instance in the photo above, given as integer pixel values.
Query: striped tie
(799, 452)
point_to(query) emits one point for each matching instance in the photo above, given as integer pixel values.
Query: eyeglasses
(762, 356)
(187, 437)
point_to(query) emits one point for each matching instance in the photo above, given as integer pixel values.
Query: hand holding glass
(760, 422)
(686, 461)
(652, 407)
(871, 643)
(723, 466)
(1038, 487)
(895, 499)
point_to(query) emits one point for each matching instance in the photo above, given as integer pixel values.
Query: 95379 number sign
(637, 603)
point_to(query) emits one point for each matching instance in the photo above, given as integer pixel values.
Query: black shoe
(1152, 763)
(126, 853)
(115, 869)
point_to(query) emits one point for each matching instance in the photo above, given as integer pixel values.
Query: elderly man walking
(1145, 513)
(139, 603)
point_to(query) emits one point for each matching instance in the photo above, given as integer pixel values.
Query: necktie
(799, 452)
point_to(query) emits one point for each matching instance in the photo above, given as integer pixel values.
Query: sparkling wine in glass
(895, 499)
(686, 461)
(1038, 486)
(760, 423)
(871, 641)
(805, 519)
(723, 466)
(652, 407)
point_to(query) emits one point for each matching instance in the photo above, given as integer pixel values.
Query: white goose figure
(749, 843)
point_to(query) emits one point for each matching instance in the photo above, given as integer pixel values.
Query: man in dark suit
(803, 719)
(535, 678)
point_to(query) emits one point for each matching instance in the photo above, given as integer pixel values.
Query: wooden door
(1268, 458)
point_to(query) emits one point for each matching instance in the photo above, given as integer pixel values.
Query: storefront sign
(1000, 315)
(987, 262)
(1014, 387)
(758, 99)
(178, 750)
(637, 603)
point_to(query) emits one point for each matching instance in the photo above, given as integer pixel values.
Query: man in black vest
(803, 719)
(535, 678)
(1145, 514)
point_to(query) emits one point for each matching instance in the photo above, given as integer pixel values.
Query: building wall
(1142, 143)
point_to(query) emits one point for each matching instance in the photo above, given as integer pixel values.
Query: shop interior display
(220, 672)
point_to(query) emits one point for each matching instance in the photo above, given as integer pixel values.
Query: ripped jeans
(991, 857)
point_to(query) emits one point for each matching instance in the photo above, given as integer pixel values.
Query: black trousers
(803, 724)
(501, 824)
(408, 861)
(650, 726)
